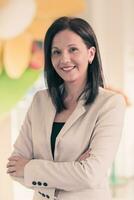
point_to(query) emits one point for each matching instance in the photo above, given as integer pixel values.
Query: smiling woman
(72, 130)
(70, 57)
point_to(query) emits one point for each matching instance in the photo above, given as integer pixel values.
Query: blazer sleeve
(23, 145)
(72, 176)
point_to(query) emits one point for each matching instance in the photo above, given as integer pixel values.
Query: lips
(68, 68)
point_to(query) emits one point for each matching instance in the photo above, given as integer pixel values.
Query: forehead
(66, 37)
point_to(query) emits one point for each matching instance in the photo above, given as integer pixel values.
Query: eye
(55, 52)
(73, 49)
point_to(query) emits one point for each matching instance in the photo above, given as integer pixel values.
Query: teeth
(68, 68)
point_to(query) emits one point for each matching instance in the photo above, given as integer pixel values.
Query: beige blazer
(98, 127)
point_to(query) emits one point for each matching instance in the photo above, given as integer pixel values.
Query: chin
(70, 80)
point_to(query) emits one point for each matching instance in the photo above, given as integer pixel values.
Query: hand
(85, 155)
(16, 166)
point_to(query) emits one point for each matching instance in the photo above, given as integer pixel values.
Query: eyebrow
(54, 47)
(72, 45)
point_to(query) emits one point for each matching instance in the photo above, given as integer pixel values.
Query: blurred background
(22, 28)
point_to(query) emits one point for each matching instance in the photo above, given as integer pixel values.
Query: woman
(72, 130)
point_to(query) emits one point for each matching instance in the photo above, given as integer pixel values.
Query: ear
(91, 53)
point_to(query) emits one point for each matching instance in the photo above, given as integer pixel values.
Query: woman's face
(70, 56)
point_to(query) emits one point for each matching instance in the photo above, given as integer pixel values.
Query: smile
(69, 68)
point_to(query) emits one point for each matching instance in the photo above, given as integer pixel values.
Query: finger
(84, 156)
(13, 174)
(10, 164)
(81, 158)
(11, 170)
(89, 150)
(13, 158)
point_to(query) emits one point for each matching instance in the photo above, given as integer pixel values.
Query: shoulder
(106, 95)
(41, 95)
(108, 105)
(41, 104)
(108, 98)
(41, 98)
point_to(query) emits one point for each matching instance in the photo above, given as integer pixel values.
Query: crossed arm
(16, 164)
(88, 171)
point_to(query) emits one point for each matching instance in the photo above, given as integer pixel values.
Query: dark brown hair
(95, 76)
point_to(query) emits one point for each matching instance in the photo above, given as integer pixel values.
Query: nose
(65, 57)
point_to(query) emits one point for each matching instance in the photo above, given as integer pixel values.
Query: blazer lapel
(49, 115)
(79, 110)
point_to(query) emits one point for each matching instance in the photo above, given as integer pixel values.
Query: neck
(74, 89)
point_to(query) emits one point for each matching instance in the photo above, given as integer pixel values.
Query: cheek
(83, 61)
(83, 57)
(54, 63)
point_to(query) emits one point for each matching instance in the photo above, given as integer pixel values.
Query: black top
(57, 126)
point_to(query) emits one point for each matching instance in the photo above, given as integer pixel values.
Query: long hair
(95, 76)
